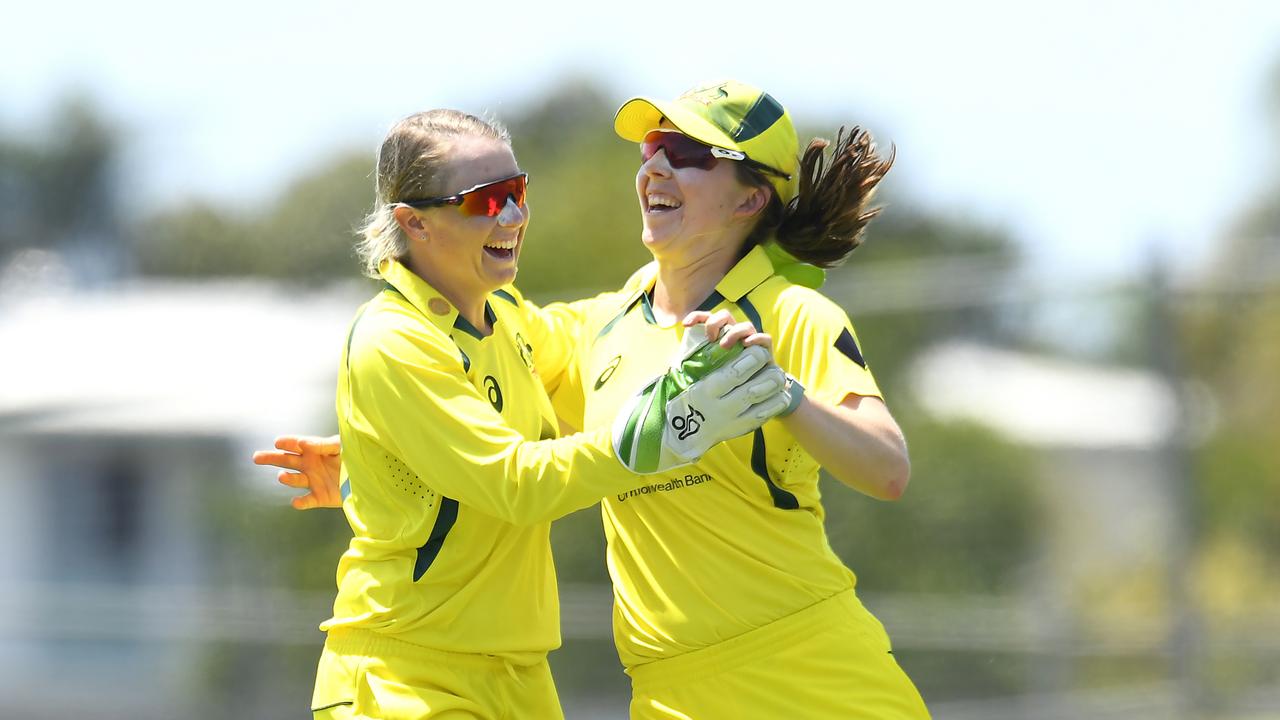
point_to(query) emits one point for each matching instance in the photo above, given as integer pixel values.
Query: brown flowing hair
(824, 222)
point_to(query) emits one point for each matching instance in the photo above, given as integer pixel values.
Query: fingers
(321, 445)
(305, 502)
(289, 461)
(721, 325)
(716, 323)
(766, 384)
(294, 480)
(330, 445)
(764, 340)
(695, 317)
(771, 407)
(724, 379)
(735, 333)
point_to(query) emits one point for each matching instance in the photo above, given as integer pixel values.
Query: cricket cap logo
(707, 94)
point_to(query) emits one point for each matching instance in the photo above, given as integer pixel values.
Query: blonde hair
(411, 165)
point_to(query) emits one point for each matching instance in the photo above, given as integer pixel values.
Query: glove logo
(689, 424)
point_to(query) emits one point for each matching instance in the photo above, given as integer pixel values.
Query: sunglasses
(684, 152)
(485, 199)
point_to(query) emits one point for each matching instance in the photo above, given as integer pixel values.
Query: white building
(126, 417)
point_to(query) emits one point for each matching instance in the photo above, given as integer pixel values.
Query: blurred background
(1072, 302)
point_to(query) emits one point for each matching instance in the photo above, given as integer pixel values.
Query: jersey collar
(754, 268)
(426, 299)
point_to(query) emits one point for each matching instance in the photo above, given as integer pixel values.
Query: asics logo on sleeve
(608, 371)
(689, 424)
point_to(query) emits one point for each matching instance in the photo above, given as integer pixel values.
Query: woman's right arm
(410, 397)
(555, 334)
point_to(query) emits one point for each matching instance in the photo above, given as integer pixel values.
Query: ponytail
(824, 222)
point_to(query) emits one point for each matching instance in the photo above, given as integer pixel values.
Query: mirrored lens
(682, 151)
(488, 200)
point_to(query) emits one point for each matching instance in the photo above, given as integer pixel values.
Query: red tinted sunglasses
(485, 199)
(684, 152)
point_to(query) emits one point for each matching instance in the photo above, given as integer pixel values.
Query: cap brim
(638, 116)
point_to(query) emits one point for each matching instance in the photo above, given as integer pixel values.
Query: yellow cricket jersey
(447, 490)
(711, 551)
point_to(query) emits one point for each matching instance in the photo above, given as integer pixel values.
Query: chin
(505, 277)
(649, 239)
(656, 245)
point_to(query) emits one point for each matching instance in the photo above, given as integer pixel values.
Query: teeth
(656, 200)
(502, 244)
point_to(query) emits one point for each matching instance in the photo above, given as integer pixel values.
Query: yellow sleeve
(817, 344)
(414, 398)
(556, 333)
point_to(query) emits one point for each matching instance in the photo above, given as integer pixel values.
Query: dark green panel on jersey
(847, 345)
(781, 498)
(444, 523)
(465, 325)
(750, 311)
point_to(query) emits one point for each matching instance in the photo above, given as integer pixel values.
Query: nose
(656, 165)
(512, 215)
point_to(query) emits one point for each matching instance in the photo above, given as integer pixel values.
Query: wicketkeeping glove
(709, 395)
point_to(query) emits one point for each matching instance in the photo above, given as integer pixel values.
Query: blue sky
(1089, 130)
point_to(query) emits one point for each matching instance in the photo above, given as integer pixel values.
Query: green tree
(307, 234)
(1232, 336)
(60, 191)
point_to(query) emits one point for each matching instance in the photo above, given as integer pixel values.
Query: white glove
(709, 395)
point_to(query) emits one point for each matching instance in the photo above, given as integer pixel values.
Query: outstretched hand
(310, 463)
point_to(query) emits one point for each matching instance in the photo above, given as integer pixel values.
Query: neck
(468, 301)
(682, 285)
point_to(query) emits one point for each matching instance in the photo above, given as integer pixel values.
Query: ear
(756, 200)
(410, 223)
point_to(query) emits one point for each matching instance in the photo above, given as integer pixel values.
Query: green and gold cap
(729, 115)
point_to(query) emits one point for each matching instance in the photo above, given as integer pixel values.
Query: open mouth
(501, 250)
(659, 203)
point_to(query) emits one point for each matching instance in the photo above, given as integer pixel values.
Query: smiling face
(464, 256)
(689, 213)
